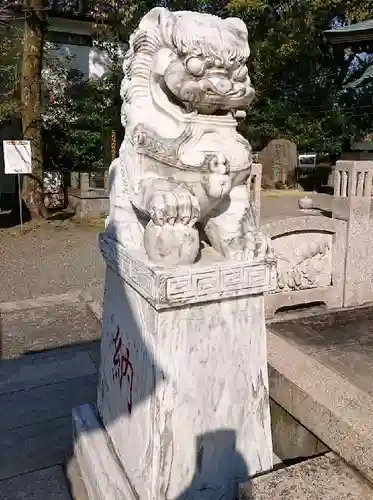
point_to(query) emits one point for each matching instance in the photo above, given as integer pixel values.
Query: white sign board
(17, 157)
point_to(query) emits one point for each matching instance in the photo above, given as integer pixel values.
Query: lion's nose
(222, 85)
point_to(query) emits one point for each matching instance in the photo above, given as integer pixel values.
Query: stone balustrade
(353, 178)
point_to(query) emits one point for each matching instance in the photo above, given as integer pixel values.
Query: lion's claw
(173, 207)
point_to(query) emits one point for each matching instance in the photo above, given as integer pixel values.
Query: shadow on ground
(10, 214)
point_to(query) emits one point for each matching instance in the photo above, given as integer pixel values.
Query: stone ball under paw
(171, 245)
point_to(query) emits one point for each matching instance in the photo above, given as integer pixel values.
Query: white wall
(89, 60)
(99, 63)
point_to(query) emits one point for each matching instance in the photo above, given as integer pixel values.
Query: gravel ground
(280, 204)
(50, 259)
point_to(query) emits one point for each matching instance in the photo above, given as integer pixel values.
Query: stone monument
(279, 160)
(182, 408)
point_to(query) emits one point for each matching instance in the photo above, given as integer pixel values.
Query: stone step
(93, 296)
(44, 403)
(45, 323)
(322, 478)
(331, 406)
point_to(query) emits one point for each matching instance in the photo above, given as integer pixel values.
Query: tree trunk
(32, 60)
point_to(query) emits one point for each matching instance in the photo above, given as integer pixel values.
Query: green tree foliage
(116, 19)
(81, 114)
(9, 75)
(298, 76)
(78, 115)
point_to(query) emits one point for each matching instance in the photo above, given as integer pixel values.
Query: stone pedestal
(183, 391)
(353, 202)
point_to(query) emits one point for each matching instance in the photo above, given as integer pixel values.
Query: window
(61, 37)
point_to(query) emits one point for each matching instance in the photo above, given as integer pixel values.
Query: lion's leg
(232, 228)
(123, 223)
(172, 210)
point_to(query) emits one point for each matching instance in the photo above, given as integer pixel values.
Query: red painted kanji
(123, 368)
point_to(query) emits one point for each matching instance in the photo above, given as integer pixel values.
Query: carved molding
(312, 270)
(184, 285)
(166, 151)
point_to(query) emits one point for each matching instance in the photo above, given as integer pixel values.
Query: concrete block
(322, 478)
(291, 440)
(328, 405)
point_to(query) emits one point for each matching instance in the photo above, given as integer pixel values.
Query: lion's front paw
(173, 207)
(253, 245)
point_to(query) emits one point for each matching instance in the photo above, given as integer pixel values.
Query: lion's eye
(195, 66)
(240, 74)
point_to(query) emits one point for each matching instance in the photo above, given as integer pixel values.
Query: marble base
(102, 472)
(99, 466)
(183, 391)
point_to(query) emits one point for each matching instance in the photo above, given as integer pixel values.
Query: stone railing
(353, 203)
(327, 259)
(353, 178)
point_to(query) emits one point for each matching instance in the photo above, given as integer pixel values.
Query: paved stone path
(38, 391)
(49, 350)
(58, 259)
(321, 478)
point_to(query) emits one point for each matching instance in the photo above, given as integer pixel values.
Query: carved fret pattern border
(216, 282)
(143, 279)
(197, 285)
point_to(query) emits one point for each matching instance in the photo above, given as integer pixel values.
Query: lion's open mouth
(207, 110)
(212, 109)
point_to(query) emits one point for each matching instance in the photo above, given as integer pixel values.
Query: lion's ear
(159, 16)
(154, 17)
(238, 25)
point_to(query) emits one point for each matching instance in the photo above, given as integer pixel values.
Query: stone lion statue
(182, 169)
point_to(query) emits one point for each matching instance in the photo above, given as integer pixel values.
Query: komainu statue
(180, 178)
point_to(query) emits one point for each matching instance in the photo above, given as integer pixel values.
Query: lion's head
(201, 59)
